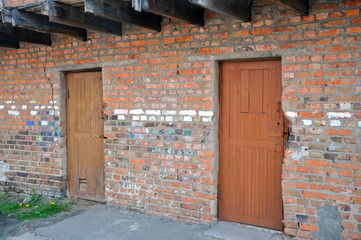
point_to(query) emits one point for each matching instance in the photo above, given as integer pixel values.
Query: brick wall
(161, 95)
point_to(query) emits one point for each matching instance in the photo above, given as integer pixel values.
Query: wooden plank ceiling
(35, 22)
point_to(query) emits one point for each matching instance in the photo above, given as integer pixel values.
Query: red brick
(322, 82)
(308, 227)
(342, 81)
(261, 31)
(311, 115)
(242, 33)
(184, 38)
(321, 163)
(339, 132)
(356, 29)
(316, 195)
(343, 165)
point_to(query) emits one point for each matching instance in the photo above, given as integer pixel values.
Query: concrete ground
(101, 222)
(89, 221)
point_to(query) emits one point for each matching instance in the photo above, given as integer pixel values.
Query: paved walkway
(103, 223)
(89, 221)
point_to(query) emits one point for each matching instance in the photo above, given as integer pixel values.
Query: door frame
(218, 64)
(58, 75)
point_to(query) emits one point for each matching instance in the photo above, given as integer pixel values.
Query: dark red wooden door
(251, 143)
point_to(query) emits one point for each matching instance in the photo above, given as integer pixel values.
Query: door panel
(251, 143)
(85, 135)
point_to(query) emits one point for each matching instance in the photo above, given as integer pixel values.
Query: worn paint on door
(85, 140)
(251, 143)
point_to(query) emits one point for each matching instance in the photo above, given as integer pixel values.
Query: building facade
(161, 113)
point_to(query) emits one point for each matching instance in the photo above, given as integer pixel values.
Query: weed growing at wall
(32, 206)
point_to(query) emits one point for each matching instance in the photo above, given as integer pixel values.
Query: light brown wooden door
(251, 143)
(85, 138)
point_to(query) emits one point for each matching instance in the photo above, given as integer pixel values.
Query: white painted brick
(162, 119)
(143, 118)
(32, 101)
(42, 107)
(33, 113)
(187, 119)
(169, 119)
(9, 102)
(13, 107)
(121, 117)
(152, 118)
(207, 119)
(345, 106)
(44, 123)
(15, 113)
(137, 124)
(36, 107)
(153, 112)
(339, 114)
(52, 112)
(205, 113)
(359, 124)
(307, 122)
(24, 107)
(171, 112)
(192, 113)
(335, 123)
(120, 111)
(2, 107)
(291, 114)
(136, 111)
(136, 118)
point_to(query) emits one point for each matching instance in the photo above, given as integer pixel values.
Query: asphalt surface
(99, 221)
(92, 221)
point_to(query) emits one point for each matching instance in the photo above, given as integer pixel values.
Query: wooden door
(85, 135)
(251, 143)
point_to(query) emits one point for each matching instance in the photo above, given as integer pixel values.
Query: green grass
(31, 207)
(9, 207)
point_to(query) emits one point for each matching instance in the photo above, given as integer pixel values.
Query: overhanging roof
(35, 22)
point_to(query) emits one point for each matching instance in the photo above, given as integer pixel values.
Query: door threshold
(236, 231)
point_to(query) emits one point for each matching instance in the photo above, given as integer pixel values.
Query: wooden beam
(73, 16)
(21, 18)
(6, 15)
(23, 35)
(9, 43)
(177, 9)
(123, 12)
(299, 6)
(241, 9)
